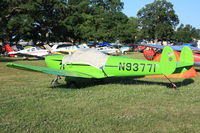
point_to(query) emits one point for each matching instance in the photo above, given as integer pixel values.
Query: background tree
(93, 20)
(106, 15)
(30, 20)
(127, 30)
(78, 20)
(47, 16)
(64, 20)
(186, 34)
(158, 20)
(9, 9)
(89, 20)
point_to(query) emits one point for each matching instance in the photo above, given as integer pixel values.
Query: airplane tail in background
(48, 47)
(9, 49)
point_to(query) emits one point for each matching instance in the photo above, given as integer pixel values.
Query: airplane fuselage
(114, 66)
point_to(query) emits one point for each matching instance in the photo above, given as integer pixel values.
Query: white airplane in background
(63, 49)
(108, 50)
(67, 48)
(32, 52)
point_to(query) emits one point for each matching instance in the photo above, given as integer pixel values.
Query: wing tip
(10, 64)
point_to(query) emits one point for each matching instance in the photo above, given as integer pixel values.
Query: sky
(188, 11)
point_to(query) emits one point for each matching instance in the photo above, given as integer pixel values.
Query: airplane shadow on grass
(83, 83)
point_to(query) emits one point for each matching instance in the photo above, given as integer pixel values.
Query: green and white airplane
(90, 63)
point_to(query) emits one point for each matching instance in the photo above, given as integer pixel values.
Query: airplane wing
(61, 52)
(153, 46)
(50, 70)
(175, 48)
(27, 55)
(179, 48)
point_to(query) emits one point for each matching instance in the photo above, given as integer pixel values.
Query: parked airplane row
(67, 48)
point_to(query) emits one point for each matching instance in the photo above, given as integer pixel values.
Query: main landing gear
(55, 81)
(70, 82)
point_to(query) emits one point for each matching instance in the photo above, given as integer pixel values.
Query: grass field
(28, 103)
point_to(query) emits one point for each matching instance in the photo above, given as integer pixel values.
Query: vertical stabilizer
(168, 61)
(186, 57)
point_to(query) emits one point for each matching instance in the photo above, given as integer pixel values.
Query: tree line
(90, 20)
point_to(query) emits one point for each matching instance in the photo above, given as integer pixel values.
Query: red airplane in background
(8, 49)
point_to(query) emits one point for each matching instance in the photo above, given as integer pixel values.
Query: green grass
(28, 103)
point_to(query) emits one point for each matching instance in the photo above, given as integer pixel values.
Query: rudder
(186, 57)
(168, 61)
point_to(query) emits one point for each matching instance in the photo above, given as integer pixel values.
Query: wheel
(54, 82)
